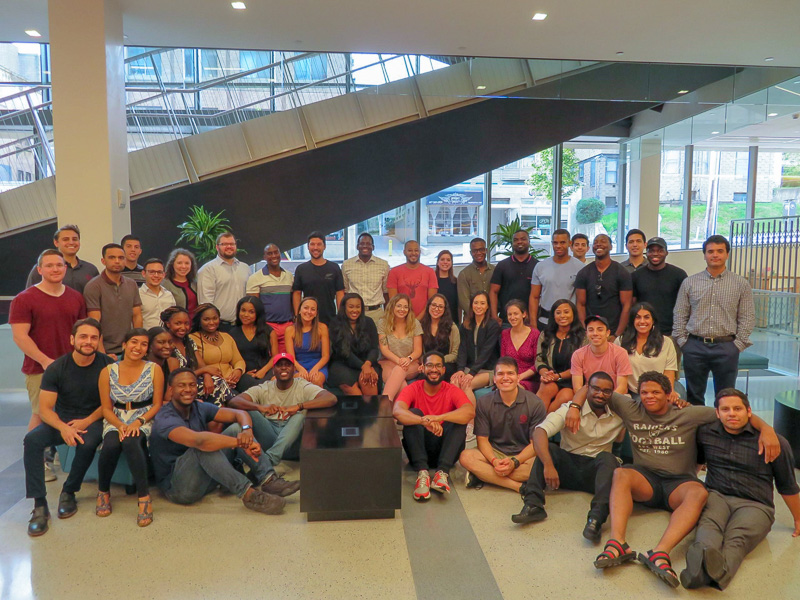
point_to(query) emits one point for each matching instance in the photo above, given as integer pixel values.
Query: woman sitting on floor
(562, 335)
(519, 342)
(400, 336)
(479, 348)
(439, 333)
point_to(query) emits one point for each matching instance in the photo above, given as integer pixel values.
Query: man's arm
(768, 443)
(793, 503)
(745, 318)
(94, 314)
(462, 286)
(323, 399)
(580, 303)
(625, 298)
(680, 315)
(21, 335)
(137, 316)
(205, 286)
(243, 401)
(403, 415)
(533, 304)
(541, 444)
(622, 384)
(494, 290)
(297, 297)
(462, 415)
(205, 441)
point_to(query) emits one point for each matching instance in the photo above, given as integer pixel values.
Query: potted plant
(200, 232)
(503, 236)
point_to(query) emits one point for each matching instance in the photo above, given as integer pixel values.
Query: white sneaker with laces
(422, 488)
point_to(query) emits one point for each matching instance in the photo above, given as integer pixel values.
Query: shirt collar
(586, 409)
(514, 258)
(265, 270)
(518, 400)
(108, 280)
(720, 276)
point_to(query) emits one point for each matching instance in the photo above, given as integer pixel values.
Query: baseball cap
(591, 318)
(657, 241)
(282, 356)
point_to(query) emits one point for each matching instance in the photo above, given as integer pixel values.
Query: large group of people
(201, 376)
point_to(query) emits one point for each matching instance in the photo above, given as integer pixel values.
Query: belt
(713, 340)
(373, 307)
(133, 405)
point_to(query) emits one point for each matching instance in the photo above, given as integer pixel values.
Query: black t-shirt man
(76, 386)
(659, 288)
(514, 278)
(602, 290)
(322, 282)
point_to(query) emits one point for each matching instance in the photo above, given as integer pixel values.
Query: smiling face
(643, 321)
(247, 313)
(53, 268)
(579, 248)
(733, 413)
(133, 250)
(436, 307)
(226, 247)
(209, 320)
(597, 332)
(182, 265)
(184, 388)
(445, 263)
(86, 340)
(521, 243)
(656, 255)
(136, 347)
(635, 245)
(564, 315)
(480, 304)
(284, 370)
(433, 369)
(654, 398)
(365, 247)
(316, 247)
(162, 346)
(352, 308)
(601, 246)
(68, 242)
(478, 252)
(308, 310)
(506, 378)
(600, 391)
(400, 310)
(272, 255)
(179, 325)
(515, 316)
(411, 252)
(154, 274)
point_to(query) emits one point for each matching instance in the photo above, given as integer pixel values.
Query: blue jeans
(276, 436)
(197, 473)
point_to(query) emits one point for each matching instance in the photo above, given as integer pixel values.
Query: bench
(122, 474)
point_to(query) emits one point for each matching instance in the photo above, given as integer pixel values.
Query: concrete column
(88, 76)
(645, 185)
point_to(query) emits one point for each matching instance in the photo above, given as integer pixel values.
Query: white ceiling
(737, 32)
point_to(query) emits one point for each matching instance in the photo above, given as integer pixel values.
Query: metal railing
(766, 252)
(177, 92)
(778, 312)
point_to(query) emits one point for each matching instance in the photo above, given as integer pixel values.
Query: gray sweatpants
(734, 526)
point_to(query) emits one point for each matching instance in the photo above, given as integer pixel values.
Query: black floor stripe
(12, 486)
(446, 558)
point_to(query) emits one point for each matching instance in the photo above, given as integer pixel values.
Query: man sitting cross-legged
(189, 461)
(663, 471)
(434, 415)
(277, 407)
(740, 509)
(582, 462)
(504, 422)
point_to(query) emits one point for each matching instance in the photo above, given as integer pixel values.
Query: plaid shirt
(714, 307)
(367, 279)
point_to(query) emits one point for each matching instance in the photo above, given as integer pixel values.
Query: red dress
(525, 356)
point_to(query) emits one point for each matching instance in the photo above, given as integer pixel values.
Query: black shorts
(663, 485)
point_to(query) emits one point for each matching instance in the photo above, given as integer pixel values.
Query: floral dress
(221, 393)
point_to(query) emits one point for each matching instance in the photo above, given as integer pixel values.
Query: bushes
(589, 210)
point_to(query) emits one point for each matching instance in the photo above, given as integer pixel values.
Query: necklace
(213, 338)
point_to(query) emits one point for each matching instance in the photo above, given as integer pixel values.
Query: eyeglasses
(154, 272)
(434, 366)
(227, 244)
(599, 390)
(439, 306)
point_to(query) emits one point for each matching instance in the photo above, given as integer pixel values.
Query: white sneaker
(470, 432)
(49, 472)
(422, 488)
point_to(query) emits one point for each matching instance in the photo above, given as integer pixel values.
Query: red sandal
(608, 558)
(664, 571)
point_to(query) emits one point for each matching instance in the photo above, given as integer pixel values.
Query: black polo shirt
(514, 278)
(736, 469)
(509, 428)
(602, 290)
(76, 277)
(659, 288)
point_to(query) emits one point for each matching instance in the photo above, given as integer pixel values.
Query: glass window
(450, 218)
(311, 69)
(670, 198)
(778, 184)
(390, 230)
(254, 59)
(334, 250)
(141, 69)
(611, 170)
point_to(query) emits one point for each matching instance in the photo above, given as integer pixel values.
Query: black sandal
(144, 518)
(664, 571)
(608, 558)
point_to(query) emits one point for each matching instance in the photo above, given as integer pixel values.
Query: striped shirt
(367, 279)
(714, 307)
(275, 294)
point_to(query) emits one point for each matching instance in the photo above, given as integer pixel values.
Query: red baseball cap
(282, 356)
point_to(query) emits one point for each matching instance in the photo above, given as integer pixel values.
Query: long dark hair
(344, 340)
(442, 339)
(469, 320)
(262, 329)
(198, 315)
(450, 276)
(655, 339)
(169, 268)
(576, 333)
(166, 316)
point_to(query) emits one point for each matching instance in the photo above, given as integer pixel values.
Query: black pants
(426, 450)
(575, 472)
(722, 360)
(44, 436)
(135, 449)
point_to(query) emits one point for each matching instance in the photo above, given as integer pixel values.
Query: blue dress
(308, 358)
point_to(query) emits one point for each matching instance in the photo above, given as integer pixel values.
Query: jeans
(45, 436)
(575, 472)
(426, 450)
(197, 473)
(722, 360)
(276, 436)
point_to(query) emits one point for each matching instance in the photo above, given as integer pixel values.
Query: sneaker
(49, 472)
(473, 482)
(470, 432)
(263, 502)
(279, 486)
(39, 523)
(67, 505)
(529, 514)
(422, 488)
(440, 483)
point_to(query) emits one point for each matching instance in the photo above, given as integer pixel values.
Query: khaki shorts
(33, 383)
(498, 454)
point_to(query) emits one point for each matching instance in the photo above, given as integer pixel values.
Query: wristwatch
(246, 427)
(515, 461)
(574, 405)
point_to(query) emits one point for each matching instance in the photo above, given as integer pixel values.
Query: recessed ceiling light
(769, 59)
(539, 16)
(481, 87)
(33, 33)
(238, 5)
(683, 91)
(714, 132)
(772, 115)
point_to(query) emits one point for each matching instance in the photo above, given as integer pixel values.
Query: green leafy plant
(541, 178)
(200, 232)
(589, 210)
(503, 237)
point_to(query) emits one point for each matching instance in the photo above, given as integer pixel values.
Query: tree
(541, 180)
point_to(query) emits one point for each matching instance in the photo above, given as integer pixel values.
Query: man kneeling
(434, 415)
(504, 424)
(189, 461)
(582, 462)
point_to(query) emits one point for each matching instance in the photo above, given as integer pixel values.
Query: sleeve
(554, 422)
(455, 341)
(391, 279)
(497, 275)
(462, 286)
(576, 362)
(624, 280)
(482, 427)
(91, 294)
(624, 405)
(535, 276)
(463, 353)
(538, 416)
(20, 311)
(51, 377)
(310, 392)
(208, 411)
(680, 315)
(205, 285)
(339, 278)
(170, 297)
(539, 362)
(374, 354)
(702, 414)
(417, 328)
(622, 362)
(433, 282)
(581, 280)
(489, 346)
(297, 282)
(406, 396)
(635, 283)
(384, 278)
(251, 287)
(82, 306)
(257, 394)
(457, 397)
(745, 317)
(671, 357)
(783, 470)
(137, 298)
